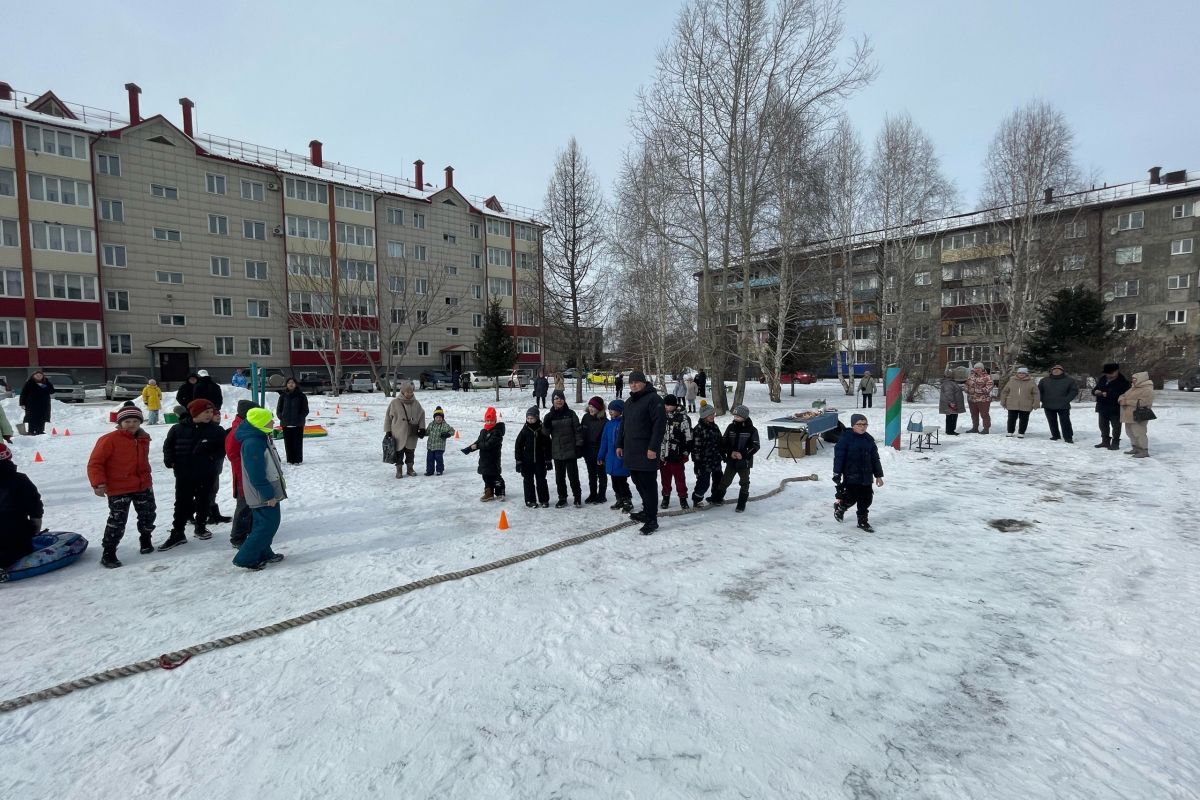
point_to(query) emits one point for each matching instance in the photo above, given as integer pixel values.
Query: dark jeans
(857, 494)
(564, 469)
(734, 469)
(1015, 417)
(597, 478)
(1060, 417)
(951, 422)
(867, 400)
(1110, 426)
(620, 484)
(118, 515)
(293, 444)
(433, 462)
(703, 478)
(647, 488)
(673, 470)
(539, 400)
(193, 494)
(537, 490)
(243, 520)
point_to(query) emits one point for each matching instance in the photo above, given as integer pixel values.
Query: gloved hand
(8, 439)
(37, 523)
(420, 433)
(837, 479)
(466, 451)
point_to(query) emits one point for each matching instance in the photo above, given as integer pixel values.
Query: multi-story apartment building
(1134, 243)
(132, 244)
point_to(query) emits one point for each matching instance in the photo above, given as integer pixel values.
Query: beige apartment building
(181, 250)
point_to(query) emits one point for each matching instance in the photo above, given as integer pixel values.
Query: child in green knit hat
(437, 432)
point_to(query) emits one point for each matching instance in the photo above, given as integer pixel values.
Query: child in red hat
(490, 443)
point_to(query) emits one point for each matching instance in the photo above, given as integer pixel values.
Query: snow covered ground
(772, 654)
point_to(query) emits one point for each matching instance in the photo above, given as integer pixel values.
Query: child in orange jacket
(119, 468)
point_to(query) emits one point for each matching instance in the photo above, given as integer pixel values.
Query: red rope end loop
(165, 661)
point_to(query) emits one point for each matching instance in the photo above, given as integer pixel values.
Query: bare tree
(574, 285)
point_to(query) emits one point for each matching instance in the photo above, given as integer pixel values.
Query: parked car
(792, 377)
(5, 388)
(603, 378)
(571, 373)
(66, 388)
(514, 380)
(315, 382)
(124, 387)
(1190, 380)
(358, 382)
(436, 379)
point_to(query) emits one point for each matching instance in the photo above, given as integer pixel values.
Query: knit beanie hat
(489, 418)
(1112, 367)
(741, 411)
(670, 400)
(597, 403)
(437, 412)
(244, 406)
(557, 393)
(129, 412)
(1022, 370)
(637, 376)
(707, 411)
(260, 419)
(979, 365)
(197, 407)
(533, 411)
(5, 453)
(617, 405)
(857, 418)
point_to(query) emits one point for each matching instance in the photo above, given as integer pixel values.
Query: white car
(514, 380)
(358, 382)
(125, 387)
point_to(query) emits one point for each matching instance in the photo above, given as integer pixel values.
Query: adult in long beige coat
(405, 420)
(1141, 393)
(1019, 396)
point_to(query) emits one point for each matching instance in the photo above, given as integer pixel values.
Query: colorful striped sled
(54, 550)
(310, 432)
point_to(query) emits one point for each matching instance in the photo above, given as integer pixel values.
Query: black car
(436, 379)
(315, 382)
(1190, 380)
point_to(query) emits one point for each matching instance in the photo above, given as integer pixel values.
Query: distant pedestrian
(35, 400)
(1057, 391)
(187, 392)
(292, 412)
(679, 389)
(1141, 395)
(541, 387)
(951, 401)
(689, 384)
(208, 389)
(263, 484)
(677, 443)
(855, 464)
(466, 381)
(614, 465)
(591, 432)
(866, 388)
(119, 469)
(1109, 388)
(701, 381)
(979, 398)
(404, 418)
(639, 440)
(435, 445)
(534, 459)
(619, 383)
(1019, 397)
(152, 398)
(6, 428)
(490, 444)
(738, 445)
(239, 380)
(455, 378)
(560, 384)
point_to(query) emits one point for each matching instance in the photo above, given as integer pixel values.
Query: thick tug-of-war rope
(177, 658)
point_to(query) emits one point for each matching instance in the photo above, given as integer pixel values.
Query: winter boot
(1020, 436)
(683, 503)
(216, 517)
(1131, 451)
(666, 501)
(638, 516)
(601, 498)
(1104, 443)
(1142, 452)
(412, 473)
(865, 526)
(399, 470)
(741, 503)
(713, 500)
(562, 503)
(627, 505)
(985, 431)
(109, 559)
(578, 503)
(531, 504)
(839, 511)
(174, 540)
(488, 495)
(1116, 445)
(648, 528)
(202, 532)
(1009, 435)
(698, 500)
(591, 500)
(146, 545)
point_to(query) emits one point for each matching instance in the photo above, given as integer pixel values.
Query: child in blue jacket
(613, 464)
(855, 464)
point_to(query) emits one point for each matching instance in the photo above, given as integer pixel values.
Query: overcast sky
(496, 89)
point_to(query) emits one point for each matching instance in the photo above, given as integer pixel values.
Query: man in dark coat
(638, 442)
(187, 392)
(619, 382)
(35, 399)
(1109, 388)
(455, 377)
(292, 412)
(208, 389)
(21, 510)
(855, 465)
(701, 380)
(1057, 391)
(541, 387)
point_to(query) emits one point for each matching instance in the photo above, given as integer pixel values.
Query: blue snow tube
(54, 550)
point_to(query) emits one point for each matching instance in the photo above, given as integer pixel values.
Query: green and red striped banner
(893, 392)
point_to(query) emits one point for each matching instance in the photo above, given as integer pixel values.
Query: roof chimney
(419, 178)
(188, 105)
(1049, 195)
(5, 91)
(135, 115)
(314, 153)
(449, 177)
(1155, 172)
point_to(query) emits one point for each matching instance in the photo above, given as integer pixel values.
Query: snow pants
(257, 547)
(243, 521)
(537, 490)
(118, 516)
(434, 462)
(673, 470)
(860, 495)
(734, 469)
(1060, 417)
(193, 497)
(495, 483)
(1137, 435)
(951, 423)
(567, 469)
(981, 409)
(867, 399)
(703, 479)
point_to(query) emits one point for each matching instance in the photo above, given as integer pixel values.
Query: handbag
(1143, 413)
(916, 422)
(389, 449)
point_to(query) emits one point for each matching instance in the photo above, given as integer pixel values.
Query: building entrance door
(173, 367)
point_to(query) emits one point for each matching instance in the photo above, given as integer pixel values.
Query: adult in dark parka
(1109, 388)
(541, 387)
(208, 389)
(1057, 390)
(187, 392)
(292, 412)
(643, 425)
(35, 399)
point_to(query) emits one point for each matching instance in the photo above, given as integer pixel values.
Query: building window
(8, 183)
(422, 348)
(349, 198)
(309, 303)
(310, 340)
(1185, 210)
(120, 344)
(258, 308)
(499, 257)
(418, 219)
(395, 249)
(1181, 247)
(1129, 255)
(421, 286)
(1131, 221)
(165, 192)
(112, 210)
(396, 284)
(450, 269)
(308, 228)
(474, 228)
(1073, 262)
(108, 165)
(114, 255)
(161, 276)
(502, 287)
(395, 216)
(360, 340)
(6, 136)
(452, 331)
(958, 241)
(260, 346)
(1125, 322)
(223, 345)
(399, 316)
(529, 344)
(60, 143)
(477, 320)
(1127, 288)
(1173, 350)
(172, 320)
(923, 279)
(63, 191)
(11, 283)
(355, 234)
(353, 270)
(12, 333)
(449, 238)
(256, 270)
(218, 225)
(68, 333)
(451, 301)
(527, 233)
(309, 265)
(419, 253)
(397, 348)
(64, 286)
(253, 190)
(1179, 281)
(300, 189)
(116, 300)
(498, 227)
(1177, 316)
(1075, 230)
(476, 261)
(62, 238)
(218, 266)
(167, 235)
(477, 291)
(9, 233)
(525, 261)
(922, 251)
(222, 306)
(213, 183)
(253, 229)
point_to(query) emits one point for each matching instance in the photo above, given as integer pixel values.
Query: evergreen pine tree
(1069, 321)
(495, 349)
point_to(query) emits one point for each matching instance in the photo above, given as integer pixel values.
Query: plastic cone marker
(54, 431)
(337, 409)
(66, 431)
(503, 526)
(456, 436)
(37, 458)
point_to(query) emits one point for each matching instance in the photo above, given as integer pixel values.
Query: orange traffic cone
(456, 436)
(37, 457)
(337, 409)
(66, 431)
(54, 431)
(503, 526)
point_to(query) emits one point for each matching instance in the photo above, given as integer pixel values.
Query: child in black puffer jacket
(855, 464)
(706, 454)
(739, 444)
(534, 459)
